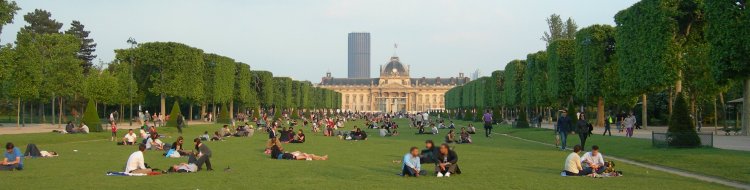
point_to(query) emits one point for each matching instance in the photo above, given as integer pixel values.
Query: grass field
(496, 163)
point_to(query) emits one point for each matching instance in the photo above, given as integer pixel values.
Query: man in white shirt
(84, 129)
(593, 161)
(136, 163)
(573, 163)
(129, 138)
(425, 117)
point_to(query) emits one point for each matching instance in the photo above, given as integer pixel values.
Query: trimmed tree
(224, 115)
(174, 114)
(522, 122)
(681, 131)
(90, 118)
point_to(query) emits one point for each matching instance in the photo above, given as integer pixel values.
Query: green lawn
(497, 163)
(728, 164)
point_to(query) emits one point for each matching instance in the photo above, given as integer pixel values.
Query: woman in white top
(573, 163)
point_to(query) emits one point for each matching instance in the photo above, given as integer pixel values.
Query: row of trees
(48, 67)
(691, 48)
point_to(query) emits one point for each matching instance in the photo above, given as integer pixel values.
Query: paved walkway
(675, 171)
(10, 128)
(720, 140)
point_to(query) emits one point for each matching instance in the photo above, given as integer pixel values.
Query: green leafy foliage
(8, 10)
(91, 118)
(220, 75)
(87, 45)
(594, 52)
(681, 129)
(224, 115)
(514, 75)
(264, 87)
(522, 121)
(560, 68)
(174, 115)
(728, 32)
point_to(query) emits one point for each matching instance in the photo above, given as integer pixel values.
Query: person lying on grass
(573, 163)
(183, 168)
(13, 158)
(277, 152)
(136, 163)
(411, 165)
(447, 162)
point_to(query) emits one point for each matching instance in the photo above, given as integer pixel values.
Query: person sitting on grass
(383, 131)
(411, 165)
(129, 138)
(290, 134)
(217, 136)
(433, 129)
(153, 142)
(465, 136)
(70, 128)
(593, 162)
(177, 149)
(136, 163)
(225, 131)
(573, 163)
(429, 154)
(202, 156)
(358, 134)
(83, 129)
(450, 137)
(471, 129)
(284, 135)
(441, 125)
(13, 158)
(452, 126)
(447, 162)
(204, 136)
(299, 138)
(277, 152)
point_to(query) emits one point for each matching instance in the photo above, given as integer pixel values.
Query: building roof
(394, 68)
(413, 81)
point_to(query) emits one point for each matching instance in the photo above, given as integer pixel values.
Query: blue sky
(304, 39)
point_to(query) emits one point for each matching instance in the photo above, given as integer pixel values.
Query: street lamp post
(133, 44)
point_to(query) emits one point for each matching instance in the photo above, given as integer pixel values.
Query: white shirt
(85, 128)
(150, 141)
(588, 158)
(573, 163)
(135, 161)
(130, 137)
(144, 134)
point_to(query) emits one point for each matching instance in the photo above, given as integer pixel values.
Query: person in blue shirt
(563, 127)
(412, 166)
(13, 158)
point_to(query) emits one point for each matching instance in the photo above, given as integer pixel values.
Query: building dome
(394, 68)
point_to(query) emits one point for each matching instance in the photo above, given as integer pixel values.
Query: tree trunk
(18, 114)
(41, 112)
(60, 112)
(723, 109)
(644, 110)
(31, 112)
(53, 110)
(746, 108)
(190, 118)
(163, 104)
(122, 111)
(203, 109)
(670, 100)
(231, 109)
(600, 112)
(693, 111)
(716, 117)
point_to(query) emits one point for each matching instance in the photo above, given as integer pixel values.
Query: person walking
(607, 127)
(620, 120)
(487, 123)
(629, 123)
(562, 128)
(180, 123)
(582, 128)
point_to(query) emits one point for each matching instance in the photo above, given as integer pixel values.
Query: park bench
(728, 131)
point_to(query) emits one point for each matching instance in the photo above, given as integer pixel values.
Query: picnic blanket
(124, 174)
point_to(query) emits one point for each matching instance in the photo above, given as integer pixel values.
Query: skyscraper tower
(359, 55)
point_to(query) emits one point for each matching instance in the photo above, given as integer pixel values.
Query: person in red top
(329, 127)
(113, 126)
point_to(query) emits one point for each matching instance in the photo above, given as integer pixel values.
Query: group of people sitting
(590, 164)
(445, 160)
(70, 128)
(464, 136)
(289, 136)
(136, 162)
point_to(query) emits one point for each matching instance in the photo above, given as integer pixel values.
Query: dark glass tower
(359, 55)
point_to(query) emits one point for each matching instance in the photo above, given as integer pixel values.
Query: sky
(304, 39)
